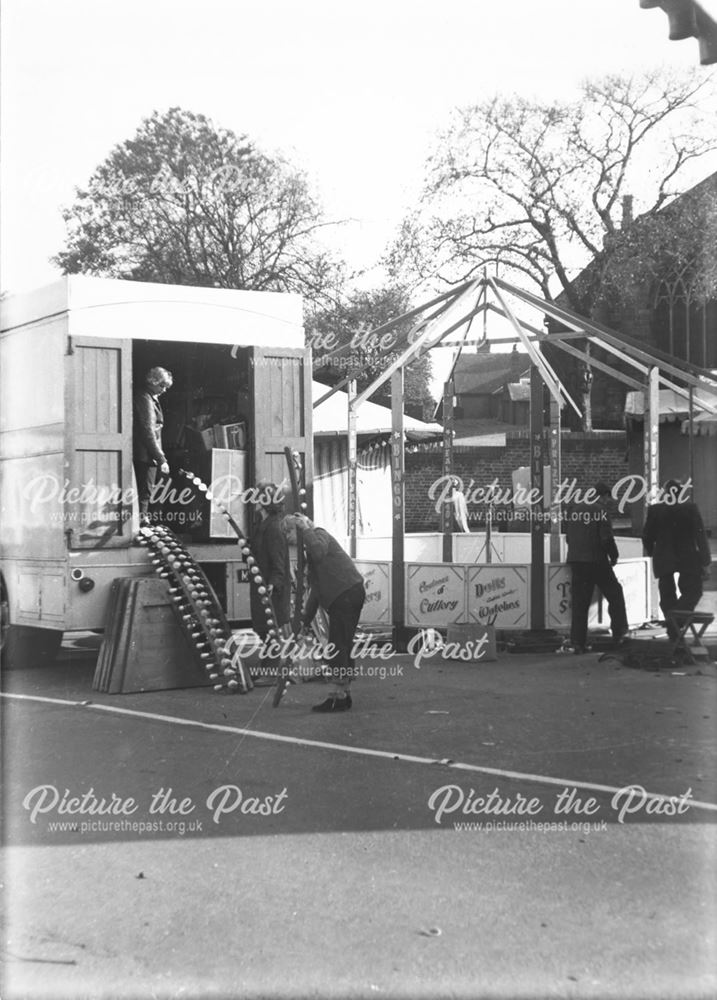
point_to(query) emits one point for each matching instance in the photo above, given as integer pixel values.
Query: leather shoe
(334, 703)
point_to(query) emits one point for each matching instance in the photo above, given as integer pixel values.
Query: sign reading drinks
(499, 595)
(377, 580)
(435, 595)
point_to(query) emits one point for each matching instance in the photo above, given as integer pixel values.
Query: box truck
(71, 355)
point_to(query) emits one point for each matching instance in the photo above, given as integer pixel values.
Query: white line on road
(343, 748)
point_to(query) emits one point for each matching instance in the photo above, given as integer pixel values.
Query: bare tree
(536, 190)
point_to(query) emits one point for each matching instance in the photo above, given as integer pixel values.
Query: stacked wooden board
(168, 632)
(145, 648)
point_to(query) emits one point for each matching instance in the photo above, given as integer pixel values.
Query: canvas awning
(331, 418)
(673, 406)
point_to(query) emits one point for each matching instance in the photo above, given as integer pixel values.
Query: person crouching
(336, 586)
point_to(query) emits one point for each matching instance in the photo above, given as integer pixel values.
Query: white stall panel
(516, 547)
(558, 596)
(630, 548)
(423, 548)
(499, 595)
(377, 579)
(435, 594)
(512, 547)
(633, 574)
(472, 548)
(371, 549)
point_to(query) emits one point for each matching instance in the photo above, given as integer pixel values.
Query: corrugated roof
(484, 372)
(481, 432)
(519, 392)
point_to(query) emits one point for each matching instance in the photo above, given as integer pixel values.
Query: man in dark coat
(147, 453)
(271, 550)
(674, 536)
(592, 553)
(336, 586)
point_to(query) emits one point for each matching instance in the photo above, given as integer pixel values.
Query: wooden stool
(695, 622)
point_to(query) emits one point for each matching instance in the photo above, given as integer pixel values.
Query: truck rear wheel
(29, 647)
(23, 646)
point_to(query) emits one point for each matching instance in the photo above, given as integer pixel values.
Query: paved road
(348, 886)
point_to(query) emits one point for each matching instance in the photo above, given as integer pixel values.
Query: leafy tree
(344, 346)
(185, 202)
(538, 190)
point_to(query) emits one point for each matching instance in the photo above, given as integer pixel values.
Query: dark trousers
(690, 584)
(344, 614)
(146, 476)
(587, 576)
(258, 615)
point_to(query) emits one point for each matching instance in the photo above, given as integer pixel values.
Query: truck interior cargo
(208, 428)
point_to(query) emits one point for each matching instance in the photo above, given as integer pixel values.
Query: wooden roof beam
(592, 330)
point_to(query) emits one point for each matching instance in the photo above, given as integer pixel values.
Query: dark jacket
(674, 536)
(588, 531)
(331, 570)
(271, 551)
(147, 429)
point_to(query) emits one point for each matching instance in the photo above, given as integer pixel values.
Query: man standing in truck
(147, 454)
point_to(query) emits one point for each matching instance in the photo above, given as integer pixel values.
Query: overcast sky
(350, 91)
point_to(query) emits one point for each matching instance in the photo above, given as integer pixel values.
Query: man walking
(592, 553)
(674, 536)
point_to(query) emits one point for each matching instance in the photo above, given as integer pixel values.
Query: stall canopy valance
(673, 407)
(703, 424)
(330, 418)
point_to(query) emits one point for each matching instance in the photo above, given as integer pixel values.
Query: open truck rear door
(281, 391)
(99, 442)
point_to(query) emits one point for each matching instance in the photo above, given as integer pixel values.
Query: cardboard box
(470, 643)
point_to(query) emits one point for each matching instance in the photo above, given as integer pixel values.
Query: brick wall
(585, 457)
